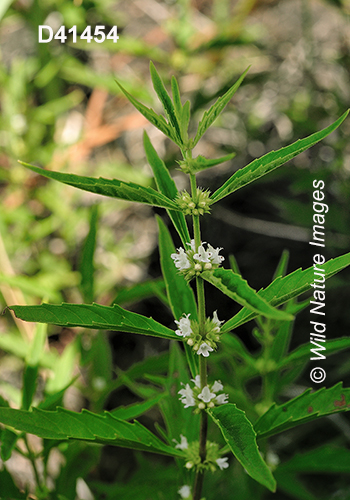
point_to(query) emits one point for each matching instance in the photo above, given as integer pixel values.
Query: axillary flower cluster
(202, 343)
(207, 397)
(191, 262)
(213, 460)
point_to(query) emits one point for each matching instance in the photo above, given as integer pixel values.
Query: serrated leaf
(156, 120)
(235, 287)
(185, 119)
(134, 293)
(176, 418)
(180, 294)
(87, 426)
(304, 408)
(293, 487)
(327, 458)
(285, 288)
(128, 191)
(302, 353)
(135, 410)
(200, 163)
(8, 440)
(167, 187)
(86, 266)
(176, 97)
(261, 166)
(215, 110)
(93, 316)
(239, 434)
(166, 101)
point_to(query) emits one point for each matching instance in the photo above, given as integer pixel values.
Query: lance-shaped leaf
(87, 267)
(109, 187)
(239, 434)
(136, 409)
(166, 101)
(156, 120)
(304, 408)
(272, 160)
(302, 353)
(285, 288)
(166, 186)
(180, 294)
(194, 165)
(235, 287)
(212, 113)
(93, 316)
(327, 458)
(86, 426)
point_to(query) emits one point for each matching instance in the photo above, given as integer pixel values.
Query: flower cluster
(212, 461)
(202, 343)
(192, 262)
(199, 204)
(202, 398)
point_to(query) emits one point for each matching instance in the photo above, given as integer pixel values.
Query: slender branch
(198, 482)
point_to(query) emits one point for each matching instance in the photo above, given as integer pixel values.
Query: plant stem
(198, 483)
(32, 458)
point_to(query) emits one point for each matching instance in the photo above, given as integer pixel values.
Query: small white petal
(215, 258)
(222, 463)
(222, 399)
(217, 386)
(197, 381)
(180, 259)
(187, 396)
(216, 320)
(205, 349)
(202, 255)
(183, 445)
(184, 325)
(206, 395)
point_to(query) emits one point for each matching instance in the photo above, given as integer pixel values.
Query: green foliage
(93, 316)
(86, 426)
(116, 189)
(157, 380)
(237, 289)
(241, 438)
(270, 161)
(302, 409)
(288, 287)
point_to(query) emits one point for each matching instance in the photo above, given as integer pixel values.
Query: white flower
(216, 321)
(184, 327)
(221, 399)
(197, 381)
(202, 255)
(222, 463)
(217, 386)
(185, 491)
(183, 445)
(206, 396)
(214, 255)
(180, 259)
(187, 396)
(205, 349)
(192, 245)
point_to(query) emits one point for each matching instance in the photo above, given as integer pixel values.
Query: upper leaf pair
(179, 115)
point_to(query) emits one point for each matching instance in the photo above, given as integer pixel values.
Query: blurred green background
(60, 108)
